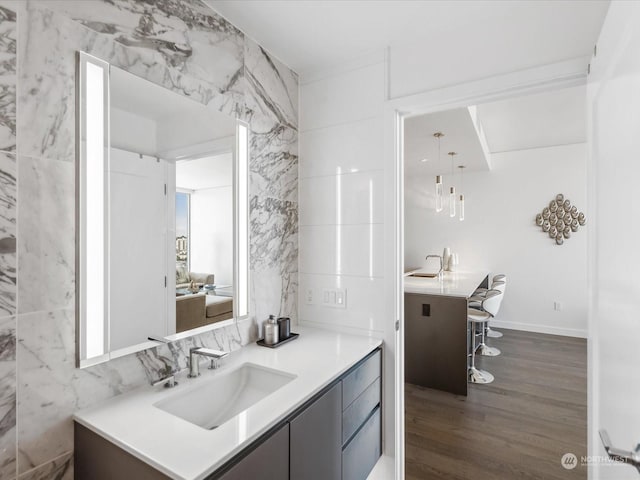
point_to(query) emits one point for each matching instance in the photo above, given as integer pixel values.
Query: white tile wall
(342, 249)
(365, 302)
(352, 198)
(354, 95)
(341, 148)
(341, 199)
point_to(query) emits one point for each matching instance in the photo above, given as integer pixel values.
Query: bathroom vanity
(319, 417)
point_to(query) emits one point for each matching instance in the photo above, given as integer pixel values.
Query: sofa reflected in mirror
(199, 301)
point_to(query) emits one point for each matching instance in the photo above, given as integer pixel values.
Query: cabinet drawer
(357, 381)
(315, 442)
(362, 453)
(269, 461)
(356, 413)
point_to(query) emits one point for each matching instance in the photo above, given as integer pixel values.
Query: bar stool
(491, 308)
(499, 282)
(481, 317)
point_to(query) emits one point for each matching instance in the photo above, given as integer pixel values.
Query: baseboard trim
(549, 329)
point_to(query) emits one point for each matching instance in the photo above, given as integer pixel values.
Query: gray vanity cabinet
(316, 439)
(335, 436)
(269, 461)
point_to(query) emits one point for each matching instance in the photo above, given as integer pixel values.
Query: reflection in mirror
(204, 240)
(162, 210)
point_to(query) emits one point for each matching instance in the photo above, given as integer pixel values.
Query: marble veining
(60, 468)
(164, 360)
(51, 388)
(181, 45)
(7, 397)
(274, 229)
(46, 90)
(272, 87)
(273, 167)
(7, 79)
(46, 234)
(182, 35)
(7, 234)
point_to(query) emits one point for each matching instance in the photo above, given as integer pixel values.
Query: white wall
(499, 235)
(341, 198)
(212, 233)
(614, 256)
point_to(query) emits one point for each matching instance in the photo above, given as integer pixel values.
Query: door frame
(555, 76)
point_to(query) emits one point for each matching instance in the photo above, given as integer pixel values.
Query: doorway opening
(519, 152)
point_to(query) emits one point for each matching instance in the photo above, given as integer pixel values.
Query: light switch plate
(334, 297)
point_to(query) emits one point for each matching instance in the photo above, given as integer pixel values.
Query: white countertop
(453, 284)
(182, 450)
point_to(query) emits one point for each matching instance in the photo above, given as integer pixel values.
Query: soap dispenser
(271, 331)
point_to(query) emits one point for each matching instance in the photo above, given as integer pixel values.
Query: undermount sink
(225, 395)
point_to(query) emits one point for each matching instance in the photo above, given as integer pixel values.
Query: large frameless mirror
(162, 214)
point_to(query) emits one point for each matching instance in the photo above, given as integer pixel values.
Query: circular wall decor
(560, 218)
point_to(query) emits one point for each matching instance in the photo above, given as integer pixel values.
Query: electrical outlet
(309, 296)
(557, 306)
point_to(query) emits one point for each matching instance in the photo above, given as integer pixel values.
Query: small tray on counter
(291, 336)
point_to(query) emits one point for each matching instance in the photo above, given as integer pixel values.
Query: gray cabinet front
(316, 439)
(269, 461)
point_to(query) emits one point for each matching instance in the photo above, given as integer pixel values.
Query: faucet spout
(194, 367)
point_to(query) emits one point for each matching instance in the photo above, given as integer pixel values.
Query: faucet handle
(214, 364)
(169, 381)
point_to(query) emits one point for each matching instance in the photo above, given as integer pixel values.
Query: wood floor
(517, 427)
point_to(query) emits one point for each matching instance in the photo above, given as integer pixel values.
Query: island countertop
(452, 284)
(182, 450)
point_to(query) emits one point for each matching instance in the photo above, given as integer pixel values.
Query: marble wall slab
(7, 397)
(46, 234)
(271, 104)
(183, 35)
(186, 47)
(8, 28)
(7, 79)
(8, 174)
(60, 468)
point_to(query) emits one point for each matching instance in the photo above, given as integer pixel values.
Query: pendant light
(461, 167)
(452, 190)
(439, 199)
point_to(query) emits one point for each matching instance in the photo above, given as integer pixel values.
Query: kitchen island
(436, 329)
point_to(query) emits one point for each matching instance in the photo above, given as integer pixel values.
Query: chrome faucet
(214, 355)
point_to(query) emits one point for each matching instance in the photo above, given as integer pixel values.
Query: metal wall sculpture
(560, 219)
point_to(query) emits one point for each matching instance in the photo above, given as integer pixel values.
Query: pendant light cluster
(453, 200)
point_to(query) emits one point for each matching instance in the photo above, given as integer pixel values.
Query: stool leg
(484, 349)
(475, 375)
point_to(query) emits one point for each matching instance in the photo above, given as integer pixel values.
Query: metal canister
(284, 327)
(271, 336)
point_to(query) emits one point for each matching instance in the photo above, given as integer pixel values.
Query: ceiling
(546, 119)
(201, 173)
(459, 136)
(314, 34)
(136, 95)
(542, 120)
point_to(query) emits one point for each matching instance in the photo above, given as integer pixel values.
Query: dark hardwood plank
(517, 427)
